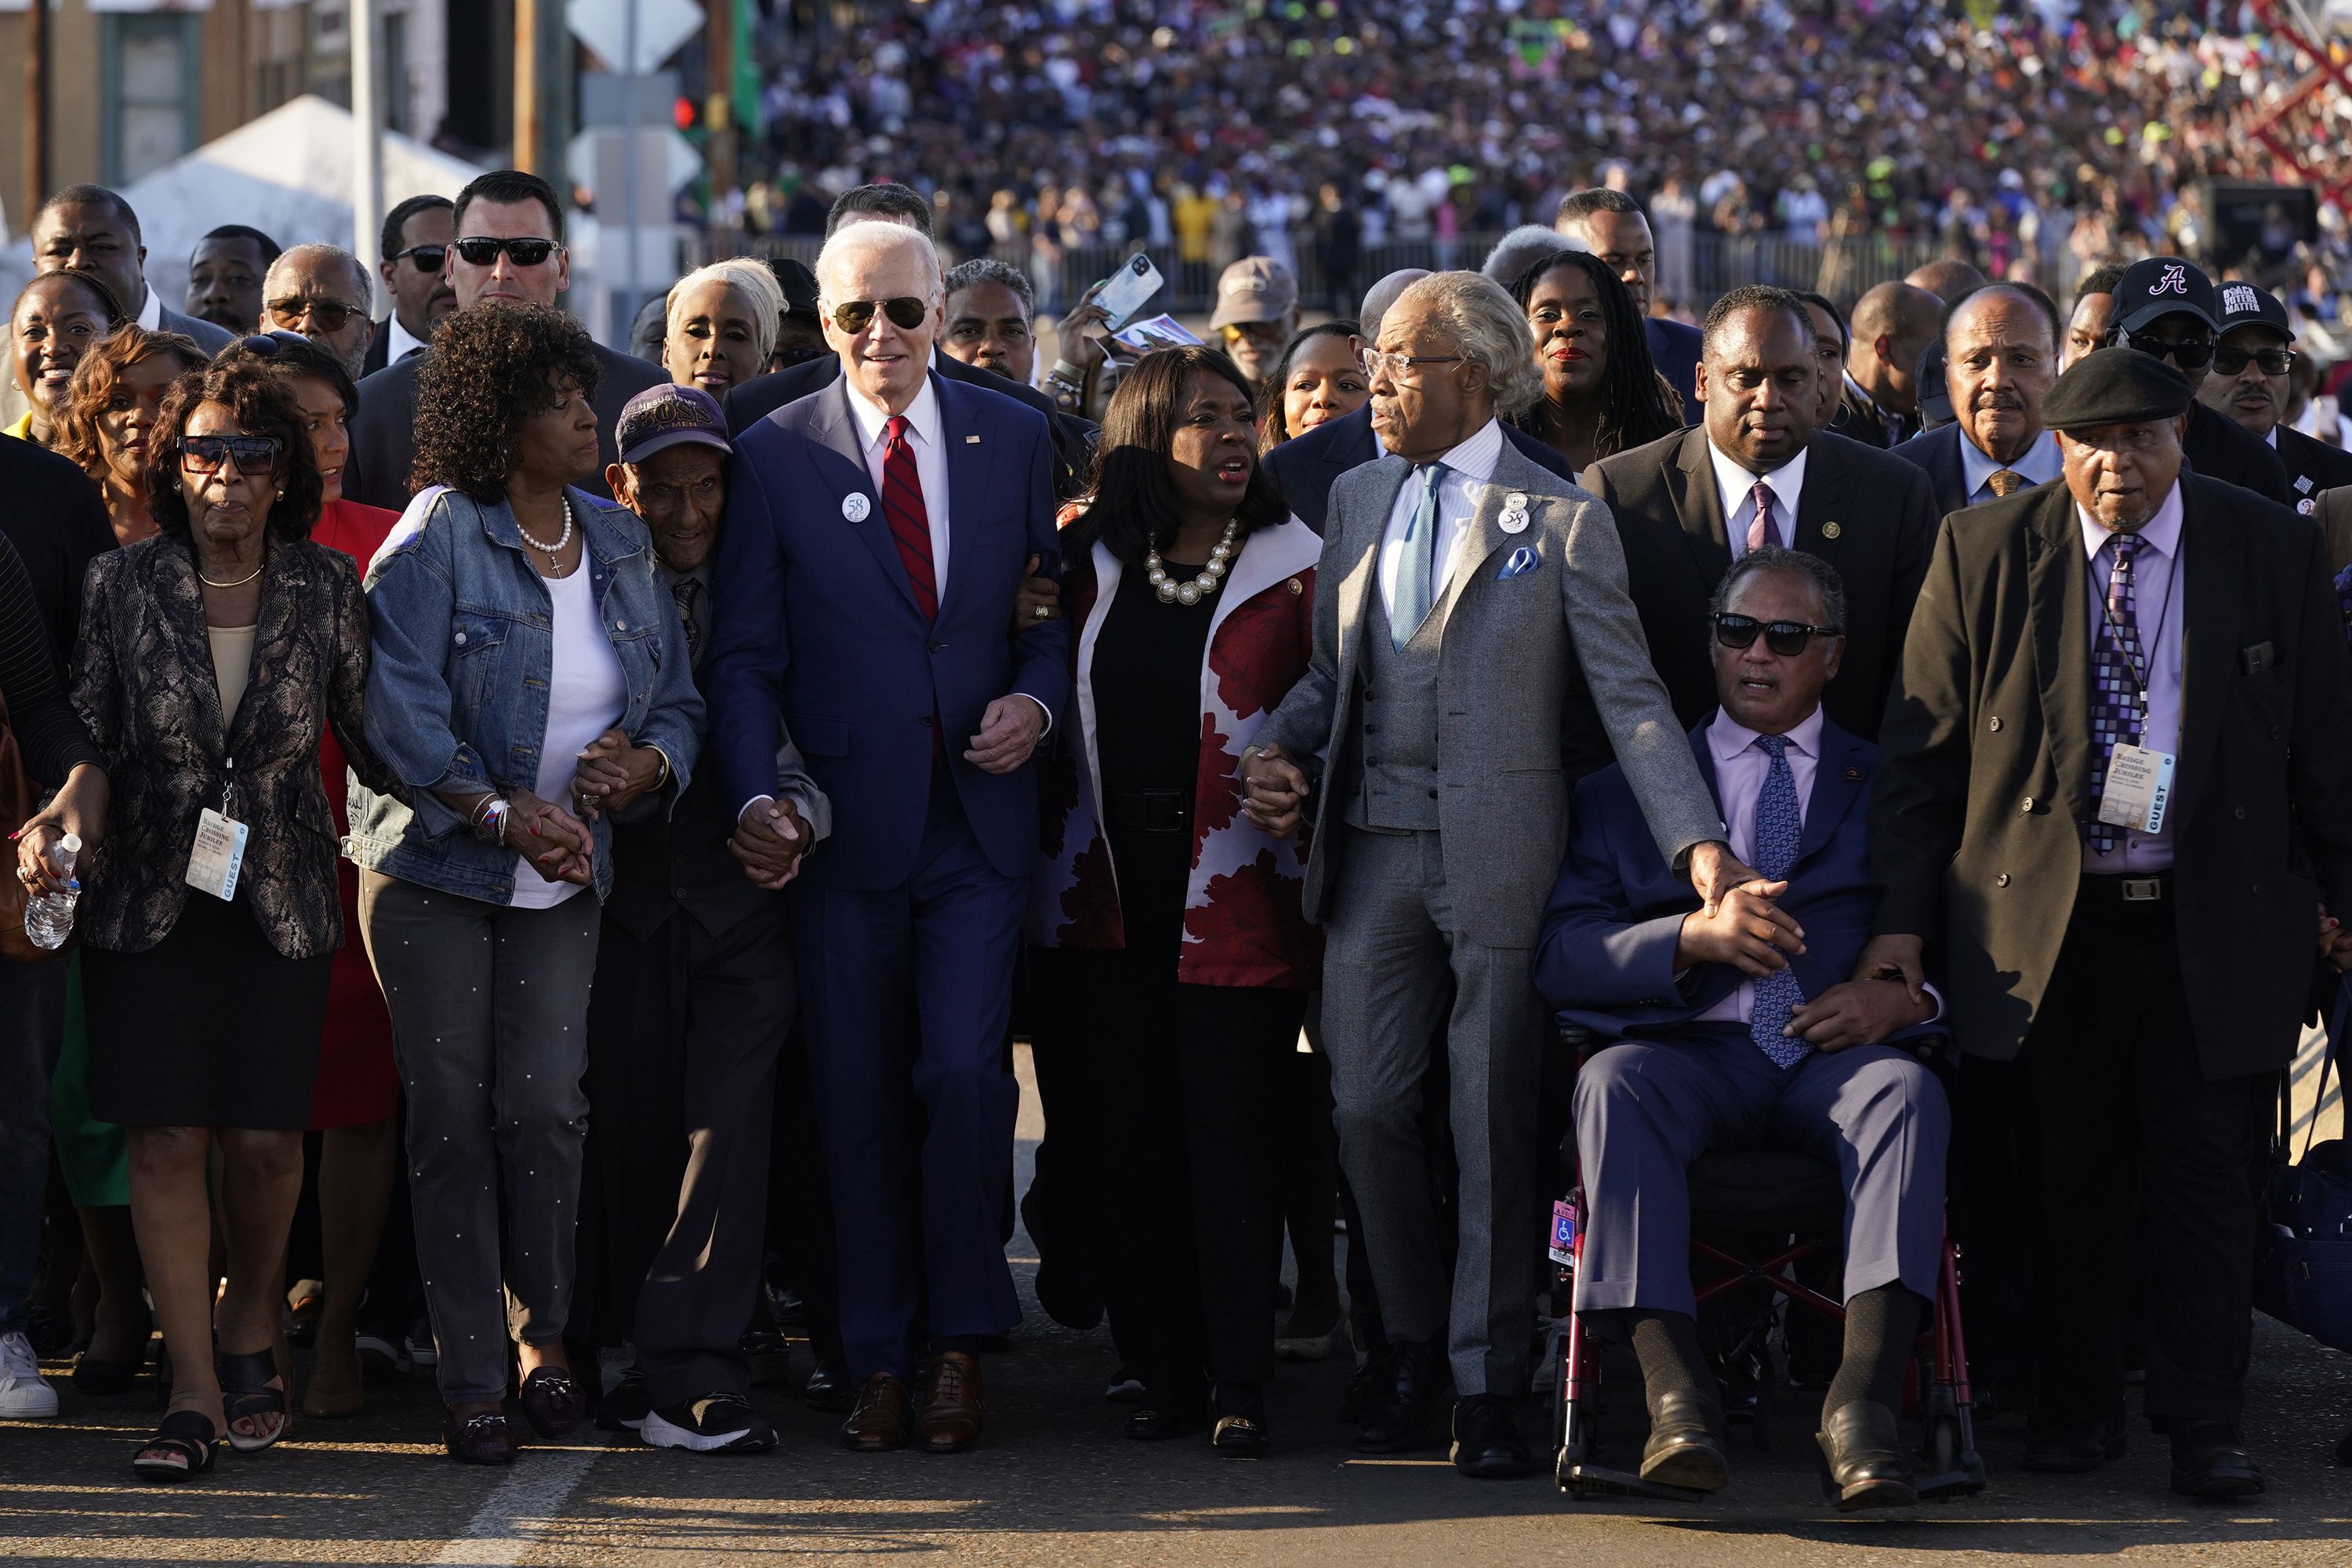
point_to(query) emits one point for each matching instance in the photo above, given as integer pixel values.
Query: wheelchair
(1756, 1215)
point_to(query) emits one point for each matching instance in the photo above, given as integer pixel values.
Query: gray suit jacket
(209, 338)
(1508, 669)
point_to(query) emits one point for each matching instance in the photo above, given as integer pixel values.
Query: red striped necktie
(910, 524)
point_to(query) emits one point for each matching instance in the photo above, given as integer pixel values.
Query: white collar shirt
(1737, 487)
(403, 344)
(925, 435)
(2040, 463)
(150, 312)
(1470, 467)
(2156, 613)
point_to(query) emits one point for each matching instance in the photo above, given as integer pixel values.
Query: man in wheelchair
(1738, 1028)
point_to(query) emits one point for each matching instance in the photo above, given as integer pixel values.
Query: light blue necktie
(1778, 826)
(1417, 563)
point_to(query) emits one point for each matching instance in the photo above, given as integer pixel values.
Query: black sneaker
(625, 1405)
(715, 1424)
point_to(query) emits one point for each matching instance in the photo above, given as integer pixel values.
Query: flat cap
(2116, 386)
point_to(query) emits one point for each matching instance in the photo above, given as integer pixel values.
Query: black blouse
(1147, 684)
(48, 731)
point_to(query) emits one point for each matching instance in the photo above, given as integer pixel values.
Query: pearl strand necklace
(1192, 593)
(562, 539)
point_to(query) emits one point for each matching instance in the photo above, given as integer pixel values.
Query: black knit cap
(2115, 386)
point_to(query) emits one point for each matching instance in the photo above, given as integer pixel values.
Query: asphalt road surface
(1055, 1482)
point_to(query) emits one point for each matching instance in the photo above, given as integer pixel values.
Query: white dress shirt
(2156, 607)
(151, 313)
(924, 435)
(2040, 463)
(403, 343)
(1737, 488)
(1471, 468)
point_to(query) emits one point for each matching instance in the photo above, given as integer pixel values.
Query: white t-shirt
(584, 698)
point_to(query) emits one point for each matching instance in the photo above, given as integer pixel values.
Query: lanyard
(2148, 649)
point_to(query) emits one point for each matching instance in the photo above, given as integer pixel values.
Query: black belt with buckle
(2153, 887)
(1149, 810)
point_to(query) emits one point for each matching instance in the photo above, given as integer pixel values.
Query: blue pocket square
(1522, 561)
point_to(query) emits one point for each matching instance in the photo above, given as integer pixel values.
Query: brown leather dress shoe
(554, 1402)
(484, 1439)
(953, 1407)
(878, 1420)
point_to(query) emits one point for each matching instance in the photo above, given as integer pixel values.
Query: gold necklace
(240, 583)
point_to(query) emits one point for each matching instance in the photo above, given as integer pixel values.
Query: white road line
(533, 1493)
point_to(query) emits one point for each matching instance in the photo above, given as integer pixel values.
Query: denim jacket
(464, 645)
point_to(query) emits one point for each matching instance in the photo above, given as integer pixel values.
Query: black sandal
(246, 1395)
(189, 1437)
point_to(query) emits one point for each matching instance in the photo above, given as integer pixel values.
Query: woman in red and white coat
(1174, 960)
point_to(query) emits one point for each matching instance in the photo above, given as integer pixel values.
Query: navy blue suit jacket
(1305, 467)
(1606, 955)
(817, 636)
(1673, 350)
(1937, 452)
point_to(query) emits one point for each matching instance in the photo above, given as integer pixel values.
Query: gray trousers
(1391, 943)
(489, 1023)
(1646, 1108)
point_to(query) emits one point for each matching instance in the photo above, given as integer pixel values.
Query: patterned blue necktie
(1417, 563)
(1778, 826)
(2117, 714)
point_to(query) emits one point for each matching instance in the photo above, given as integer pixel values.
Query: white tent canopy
(287, 174)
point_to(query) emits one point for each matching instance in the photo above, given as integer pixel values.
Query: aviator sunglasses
(906, 312)
(1787, 639)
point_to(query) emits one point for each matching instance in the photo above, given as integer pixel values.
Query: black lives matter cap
(2245, 305)
(2163, 285)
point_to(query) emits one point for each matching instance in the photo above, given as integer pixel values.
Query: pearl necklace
(550, 551)
(1201, 587)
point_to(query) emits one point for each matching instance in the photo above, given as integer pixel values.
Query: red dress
(357, 1082)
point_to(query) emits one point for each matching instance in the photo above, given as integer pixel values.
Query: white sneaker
(24, 1395)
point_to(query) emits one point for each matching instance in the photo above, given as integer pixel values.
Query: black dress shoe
(1363, 1384)
(1486, 1441)
(1157, 1422)
(2209, 1460)
(1412, 1378)
(1685, 1448)
(827, 1387)
(1863, 1453)
(2076, 1450)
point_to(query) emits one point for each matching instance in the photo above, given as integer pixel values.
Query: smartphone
(1129, 288)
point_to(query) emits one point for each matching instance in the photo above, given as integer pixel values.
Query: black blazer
(379, 347)
(1073, 446)
(1860, 418)
(2219, 448)
(384, 436)
(1674, 351)
(2311, 466)
(1985, 767)
(143, 683)
(1306, 466)
(1868, 513)
(1937, 452)
(661, 864)
(57, 519)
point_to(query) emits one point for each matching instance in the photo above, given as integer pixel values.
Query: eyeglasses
(1787, 639)
(2190, 355)
(1395, 366)
(328, 315)
(1239, 331)
(2275, 361)
(204, 453)
(906, 312)
(477, 251)
(424, 257)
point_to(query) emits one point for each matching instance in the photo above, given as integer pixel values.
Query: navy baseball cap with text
(661, 418)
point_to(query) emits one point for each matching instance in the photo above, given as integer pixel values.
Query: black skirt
(210, 1027)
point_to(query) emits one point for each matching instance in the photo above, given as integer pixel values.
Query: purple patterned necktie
(1761, 529)
(2118, 711)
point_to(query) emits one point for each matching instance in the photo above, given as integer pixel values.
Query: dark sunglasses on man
(906, 312)
(2188, 355)
(479, 250)
(204, 453)
(326, 315)
(1787, 639)
(2275, 361)
(424, 257)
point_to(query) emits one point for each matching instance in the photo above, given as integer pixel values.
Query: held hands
(1896, 955)
(1274, 792)
(1857, 1013)
(1040, 599)
(1008, 734)
(613, 772)
(2334, 943)
(1714, 871)
(1747, 931)
(770, 839)
(557, 844)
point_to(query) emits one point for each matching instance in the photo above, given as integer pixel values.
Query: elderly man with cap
(694, 991)
(2251, 361)
(2117, 788)
(1256, 315)
(2165, 307)
(1997, 355)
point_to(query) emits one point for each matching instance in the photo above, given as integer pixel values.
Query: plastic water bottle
(48, 917)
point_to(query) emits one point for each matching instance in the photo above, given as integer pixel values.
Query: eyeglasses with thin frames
(1394, 365)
